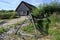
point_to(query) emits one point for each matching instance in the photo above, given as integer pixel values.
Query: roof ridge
(27, 4)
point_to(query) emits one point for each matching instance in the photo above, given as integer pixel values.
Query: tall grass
(28, 29)
(7, 14)
(2, 30)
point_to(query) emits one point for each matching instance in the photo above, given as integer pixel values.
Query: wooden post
(33, 24)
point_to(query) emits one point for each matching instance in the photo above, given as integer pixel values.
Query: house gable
(27, 5)
(23, 7)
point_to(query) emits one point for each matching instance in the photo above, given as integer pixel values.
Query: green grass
(28, 29)
(58, 19)
(2, 30)
(2, 21)
(54, 30)
(8, 15)
(18, 23)
(55, 34)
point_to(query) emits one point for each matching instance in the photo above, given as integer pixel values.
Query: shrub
(7, 14)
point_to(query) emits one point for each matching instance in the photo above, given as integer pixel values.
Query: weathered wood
(33, 23)
(31, 18)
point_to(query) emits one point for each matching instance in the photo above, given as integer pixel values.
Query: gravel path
(13, 21)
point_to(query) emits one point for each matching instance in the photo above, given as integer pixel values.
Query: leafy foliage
(46, 9)
(7, 14)
(43, 25)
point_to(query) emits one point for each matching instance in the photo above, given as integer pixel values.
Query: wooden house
(24, 8)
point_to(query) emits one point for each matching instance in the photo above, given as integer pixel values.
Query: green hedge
(8, 15)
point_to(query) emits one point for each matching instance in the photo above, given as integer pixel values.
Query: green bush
(7, 14)
(46, 10)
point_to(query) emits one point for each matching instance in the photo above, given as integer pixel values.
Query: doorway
(27, 12)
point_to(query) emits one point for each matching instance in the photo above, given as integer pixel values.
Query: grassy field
(54, 28)
(53, 31)
(4, 14)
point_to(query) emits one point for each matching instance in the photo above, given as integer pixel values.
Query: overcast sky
(12, 4)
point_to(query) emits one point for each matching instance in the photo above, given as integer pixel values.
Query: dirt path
(11, 30)
(13, 21)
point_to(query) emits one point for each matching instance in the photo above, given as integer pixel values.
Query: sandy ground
(13, 21)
